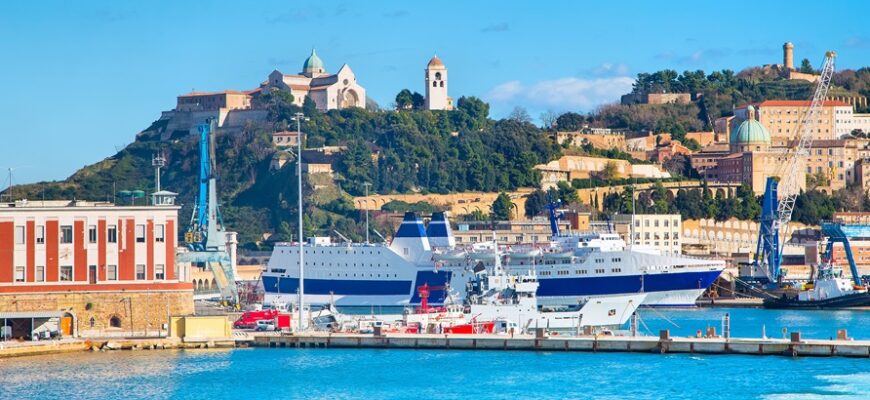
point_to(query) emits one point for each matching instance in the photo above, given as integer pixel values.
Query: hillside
(397, 151)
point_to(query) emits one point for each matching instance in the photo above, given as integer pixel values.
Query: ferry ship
(571, 269)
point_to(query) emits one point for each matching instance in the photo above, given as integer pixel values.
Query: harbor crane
(206, 237)
(776, 211)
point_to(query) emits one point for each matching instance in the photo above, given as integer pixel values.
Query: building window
(40, 274)
(19, 274)
(40, 234)
(112, 234)
(140, 233)
(66, 234)
(92, 234)
(140, 272)
(159, 233)
(66, 273)
(160, 272)
(19, 234)
(112, 272)
(115, 321)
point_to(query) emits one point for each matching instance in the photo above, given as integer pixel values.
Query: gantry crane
(776, 211)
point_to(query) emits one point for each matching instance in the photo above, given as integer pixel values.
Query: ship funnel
(410, 241)
(439, 232)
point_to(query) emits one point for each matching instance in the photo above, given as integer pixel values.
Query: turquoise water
(417, 374)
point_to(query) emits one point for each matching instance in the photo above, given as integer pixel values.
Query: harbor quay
(794, 346)
(664, 343)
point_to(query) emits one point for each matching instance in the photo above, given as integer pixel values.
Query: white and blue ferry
(570, 269)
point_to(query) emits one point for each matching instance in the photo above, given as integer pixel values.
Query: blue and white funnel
(410, 241)
(439, 232)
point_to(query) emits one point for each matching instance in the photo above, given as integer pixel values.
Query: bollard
(842, 334)
(664, 334)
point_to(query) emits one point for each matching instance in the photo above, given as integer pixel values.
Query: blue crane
(206, 237)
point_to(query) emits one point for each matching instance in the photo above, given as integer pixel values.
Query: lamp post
(367, 184)
(299, 117)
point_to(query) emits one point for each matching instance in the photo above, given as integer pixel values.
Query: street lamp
(299, 117)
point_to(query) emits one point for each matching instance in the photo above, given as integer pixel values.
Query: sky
(82, 78)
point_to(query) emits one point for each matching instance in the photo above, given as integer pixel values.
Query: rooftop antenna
(158, 161)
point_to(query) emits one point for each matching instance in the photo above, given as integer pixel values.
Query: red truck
(249, 319)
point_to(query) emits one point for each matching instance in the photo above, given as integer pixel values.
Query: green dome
(750, 131)
(313, 63)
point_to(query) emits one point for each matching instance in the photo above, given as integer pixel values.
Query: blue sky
(80, 80)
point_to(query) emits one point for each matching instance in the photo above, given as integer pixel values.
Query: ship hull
(848, 301)
(662, 290)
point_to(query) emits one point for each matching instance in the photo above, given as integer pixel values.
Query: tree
(858, 133)
(678, 165)
(750, 207)
(609, 172)
(418, 101)
(566, 193)
(404, 100)
(309, 107)
(661, 205)
(570, 121)
(807, 66)
(520, 114)
(501, 207)
(536, 203)
(548, 119)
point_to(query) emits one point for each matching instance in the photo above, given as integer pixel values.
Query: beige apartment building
(783, 117)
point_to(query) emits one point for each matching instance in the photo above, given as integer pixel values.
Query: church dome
(435, 62)
(750, 131)
(313, 64)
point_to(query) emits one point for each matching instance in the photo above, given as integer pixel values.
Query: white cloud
(562, 94)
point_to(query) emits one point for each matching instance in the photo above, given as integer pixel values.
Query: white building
(436, 86)
(661, 231)
(329, 91)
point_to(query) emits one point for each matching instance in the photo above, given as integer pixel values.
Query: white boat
(498, 296)
(587, 266)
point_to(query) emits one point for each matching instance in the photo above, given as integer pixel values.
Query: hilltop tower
(436, 86)
(788, 56)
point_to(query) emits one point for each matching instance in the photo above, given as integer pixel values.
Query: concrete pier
(794, 347)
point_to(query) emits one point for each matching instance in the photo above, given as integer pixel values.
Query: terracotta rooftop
(796, 103)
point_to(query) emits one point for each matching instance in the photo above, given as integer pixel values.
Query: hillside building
(234, 109)
(328, 91)
(783, 117)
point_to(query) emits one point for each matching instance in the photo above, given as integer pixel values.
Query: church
(328, 91)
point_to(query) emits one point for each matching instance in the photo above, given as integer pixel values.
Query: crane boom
(790, 177)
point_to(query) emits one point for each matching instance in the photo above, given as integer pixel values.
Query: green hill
(397, 151)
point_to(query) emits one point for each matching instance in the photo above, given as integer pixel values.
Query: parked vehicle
(266, 325)
(249, 319)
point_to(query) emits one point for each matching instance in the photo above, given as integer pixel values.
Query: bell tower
(436, 86)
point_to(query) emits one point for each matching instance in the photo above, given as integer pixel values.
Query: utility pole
(367, 184)
(298, 117)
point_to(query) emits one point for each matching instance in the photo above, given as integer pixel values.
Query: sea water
(454, 374)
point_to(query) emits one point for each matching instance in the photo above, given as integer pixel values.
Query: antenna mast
(158, 162)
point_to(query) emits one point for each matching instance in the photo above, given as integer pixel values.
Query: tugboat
(828, 286)
(829, 289)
